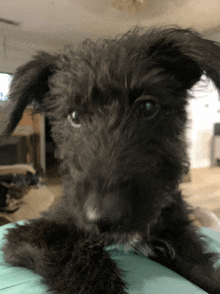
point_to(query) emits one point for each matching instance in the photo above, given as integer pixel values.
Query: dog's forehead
(120, 69)
(112, 71)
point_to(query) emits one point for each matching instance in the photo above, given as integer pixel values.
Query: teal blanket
(143, 275)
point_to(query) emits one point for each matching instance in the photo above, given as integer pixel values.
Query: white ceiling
(74, 20)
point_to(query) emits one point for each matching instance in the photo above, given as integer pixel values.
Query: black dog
(117, 110)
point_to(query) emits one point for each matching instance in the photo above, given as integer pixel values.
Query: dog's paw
(86, 270)
(21, 254)
(68, 265)
(18, 251)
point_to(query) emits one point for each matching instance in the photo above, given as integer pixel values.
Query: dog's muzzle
(106, 211)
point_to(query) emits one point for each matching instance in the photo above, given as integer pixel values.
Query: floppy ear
(187, 55)
(30, 83)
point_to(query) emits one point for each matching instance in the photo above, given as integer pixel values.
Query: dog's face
(118, 114)
(119, 125)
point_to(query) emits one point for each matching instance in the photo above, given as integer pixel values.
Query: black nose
(106, 216)
(107, 211)
(104, 226)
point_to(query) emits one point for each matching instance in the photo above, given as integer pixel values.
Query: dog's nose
(104, 226)
(106, 211)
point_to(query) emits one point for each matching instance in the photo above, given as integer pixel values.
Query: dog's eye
(148, 108)
(73, 118)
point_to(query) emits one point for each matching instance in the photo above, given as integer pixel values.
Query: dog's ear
(30, 83)
(186, 55)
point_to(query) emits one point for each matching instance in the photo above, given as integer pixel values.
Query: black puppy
(118, 114)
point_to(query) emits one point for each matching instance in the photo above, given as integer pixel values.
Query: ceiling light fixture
(133, 6)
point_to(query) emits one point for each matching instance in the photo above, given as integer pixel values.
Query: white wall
(16, 47)
(203, 113)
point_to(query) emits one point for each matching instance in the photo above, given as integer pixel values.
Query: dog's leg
(181, 248)
(69, 261)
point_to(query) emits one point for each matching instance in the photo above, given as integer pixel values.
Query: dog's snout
(106, 211)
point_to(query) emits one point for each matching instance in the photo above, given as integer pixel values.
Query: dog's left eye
(148, 108)
(73, 118)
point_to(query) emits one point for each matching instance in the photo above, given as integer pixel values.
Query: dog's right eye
(148, 108)
(73, 118)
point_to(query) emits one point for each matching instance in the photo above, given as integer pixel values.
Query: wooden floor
(53, 180)
(204, 189)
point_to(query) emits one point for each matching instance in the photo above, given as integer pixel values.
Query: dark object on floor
(3, 220)
(20, 180)
(3, 197)
(12, 187)
(118, 114)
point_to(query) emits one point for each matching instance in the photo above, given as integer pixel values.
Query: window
(5, 80)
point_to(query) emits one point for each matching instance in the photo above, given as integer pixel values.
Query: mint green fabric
(142, 275)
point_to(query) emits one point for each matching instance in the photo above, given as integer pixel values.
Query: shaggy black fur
(117, 110)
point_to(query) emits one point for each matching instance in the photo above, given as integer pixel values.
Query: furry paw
(26, 244)
(18, 251)
(68, 264)
(88, 269)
